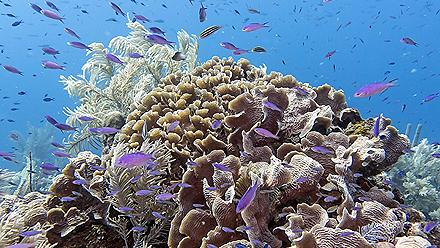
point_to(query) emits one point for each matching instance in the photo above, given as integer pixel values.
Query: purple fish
(30, 233)
(138, 229)
(125, 209)
(211, 246)
(50, 51)
(117, 9)
(143, 192)
(79, 182)
(164, 197)
(254, 26)
(197, 205)
(430, 226)
(240, 51)
(135, 55)
(435, 155)
(302, 179)
(97, 168)
(376, 127)
(67, 199)
(64, 127)
(346, 233)
(301, 91)
(265, 133)
(12, 69)
(321, 149)
(184, 185)
(228, 45)
(51, 120)
(157, 215)
(52, 6)
(364, 198)
(51, 65)
(103, 130)
(141, 18)
(191, 163)
(216, 124)
(211, 188)
(357, 175)
(113, 58)
(157, 39)
(6, 154)
(21, 245)
(36, 8)
(202, 13)
(173, 126)
(330, 198)
(227, 230)
(72, 33)
(374, 88)
(52, 15)
(79, 45)
(131, 160)
(272, 106)
(49, 167)
(408, 41)
(86, 118)
(156, 30)
(61, 154)
(247, 197)
(221, 167)
(430, 97)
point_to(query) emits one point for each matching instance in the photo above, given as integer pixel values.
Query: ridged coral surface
(227, 128)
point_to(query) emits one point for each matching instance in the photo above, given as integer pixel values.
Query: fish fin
(265, 24)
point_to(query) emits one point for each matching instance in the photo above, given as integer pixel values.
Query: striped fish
(209, 31)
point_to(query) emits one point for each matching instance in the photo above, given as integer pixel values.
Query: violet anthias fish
(228, 45)
(329, 54)
(52, 65)
(374, 88)
(131, 160)
(72, 33)
(430, 226)
(220, 166)
(302, 179)
(49, 166)
(321, 149)
(173, 126)
(271, 105)
(408, 41)
(21, 245)
(156, 30)
(50, 51)
(30, 233)
(51, 120)
(36, 8)
(265, 133)
(141, 18)
(135, 55)
(157, 215)
(61, 154)
(247, 197)
(202, 13)
(227, 230)
(216, 124)
(12, 69)
(301, 91)
(6, 154)
(103, 130)
(67, 199)
(86, 118)
(52, 15)
(376, 127)
(346, 233)
(143, 192)
(157, 39)
(138, 229)
(330, 198)
(79, 45)
(240, 51)
(254, 26)
(164, 197)
(431, 97)
(117, 9)
(64, 127)
(435, 155)
(113, 58)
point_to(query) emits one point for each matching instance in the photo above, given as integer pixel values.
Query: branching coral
(417, 176)
(106, 87)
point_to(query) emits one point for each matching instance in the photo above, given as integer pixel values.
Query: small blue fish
(346, 233)
(49, 166)
(79, 45)
(117, 9)
(216, 124)
(202, 13)
(79, 182)
(157, 39)
(227, 230)
(135, 55)
(86, 118)
(435, 155)
(143, 192)
(113, 58)
(138, 229)
(271, 105)
(220, 166)
(321, 149)
(30, 233)
(135, 159)
(376, 128)
(158, 215)
(67, 199)
(15, 24)
(103, 130)
(248, 196)
(125, 209)
(72, 33)
(64, 127)
(165, 197)
(173, 126)
(265, 133)
(430, 226)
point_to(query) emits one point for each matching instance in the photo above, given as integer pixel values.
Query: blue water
(300, 34)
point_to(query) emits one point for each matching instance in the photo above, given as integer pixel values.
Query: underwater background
(346, 44)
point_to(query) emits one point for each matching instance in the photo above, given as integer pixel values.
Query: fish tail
(392, 82)
(265, 24)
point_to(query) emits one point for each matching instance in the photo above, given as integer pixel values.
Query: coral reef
(416, 175)
(226, 155)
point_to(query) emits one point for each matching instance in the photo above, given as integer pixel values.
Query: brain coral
(216, 133)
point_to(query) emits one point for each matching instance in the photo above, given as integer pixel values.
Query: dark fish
(72, 33)
(258, 49)
(329, 54)
(202, 13)
(21, 93)
(156, 30)
(57, 145)
(61, 154)
(48, 99)
(52, 65)
(435, 155)
(141, 18)
(64, 127)
(113, 58)
(50, 51)
(178, 56)
(117, 9)
(36, 8)
(52, 6)
(253, 11)
(15, 24)
(51, 120)
(209, 31)
(408, 41)
(157, 39)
